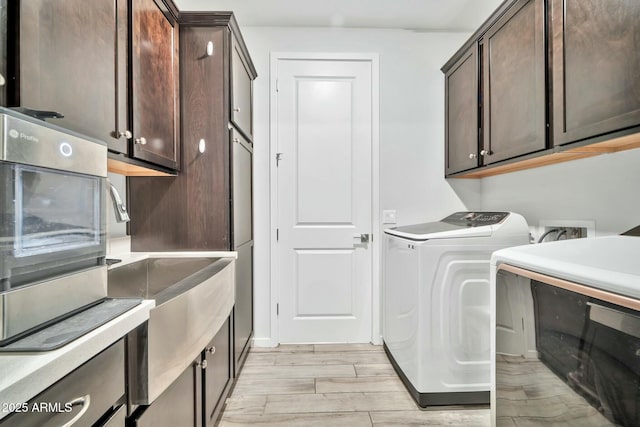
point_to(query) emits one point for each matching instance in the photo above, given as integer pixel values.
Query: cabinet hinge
(277, 309)
(277, 234)
(277, 88)
(278, 158)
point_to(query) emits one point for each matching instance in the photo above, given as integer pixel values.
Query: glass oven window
(55, 211)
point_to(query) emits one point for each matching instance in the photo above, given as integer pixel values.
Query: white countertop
(610, 263)
(131, 257)
(24, 375)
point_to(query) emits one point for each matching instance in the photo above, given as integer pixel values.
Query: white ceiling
(421, 15)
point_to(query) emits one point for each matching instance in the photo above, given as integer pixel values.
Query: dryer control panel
(475, 219)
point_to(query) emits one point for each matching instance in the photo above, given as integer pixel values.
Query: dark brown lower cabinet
(217, 374)
(179, 405)
(197, 397)
(243, 310)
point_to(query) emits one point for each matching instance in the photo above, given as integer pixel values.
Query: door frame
(373, 59)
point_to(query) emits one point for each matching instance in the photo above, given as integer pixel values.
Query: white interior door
(324, 135)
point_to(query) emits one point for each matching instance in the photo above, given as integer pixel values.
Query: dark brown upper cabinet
(461, 113)
(109, 66)
(513, 84)
(558, 80)
(595, 67)
(3, 51)
(72, 59)
(241, 92)
(154, 83)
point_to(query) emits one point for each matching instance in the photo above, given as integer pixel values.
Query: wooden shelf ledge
(128, 169)
(614, 145)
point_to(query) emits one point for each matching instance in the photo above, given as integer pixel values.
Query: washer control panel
(475, 219)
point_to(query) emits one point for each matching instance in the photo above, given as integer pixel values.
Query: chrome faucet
(118, 206)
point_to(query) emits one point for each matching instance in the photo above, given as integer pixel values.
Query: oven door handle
(615, 319)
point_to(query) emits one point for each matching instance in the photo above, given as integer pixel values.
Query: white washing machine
(436, 319)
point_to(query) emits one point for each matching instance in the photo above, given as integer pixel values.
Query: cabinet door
(595, 67)
(179, 405)
(513, 64)
(461, 114)
(243, 310)
(241, 99)
(154, 84)
(3, 52)
(242, 153)
(218, 373)
(73, 61)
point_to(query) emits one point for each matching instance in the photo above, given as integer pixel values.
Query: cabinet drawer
(96, 387)
(242, 153)
(241, 106)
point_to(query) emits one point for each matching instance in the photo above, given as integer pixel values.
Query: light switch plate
(389, 217)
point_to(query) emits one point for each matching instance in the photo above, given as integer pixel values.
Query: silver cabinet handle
(473, 156)
(202, 146)
(2, 80)
(141, 140)
(209, 48)
(211, 350)
(485, 153)
(85, 401)
(236, 140)
(125, 134)
(236, 109)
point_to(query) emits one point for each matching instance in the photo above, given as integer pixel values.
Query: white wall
(603, 189)
(411, 129)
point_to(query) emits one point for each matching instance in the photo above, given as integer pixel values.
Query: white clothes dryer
(436, 319)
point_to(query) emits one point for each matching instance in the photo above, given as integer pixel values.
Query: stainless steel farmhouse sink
(194, 297)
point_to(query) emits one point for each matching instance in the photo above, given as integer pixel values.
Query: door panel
(154, 81)
(514, 84)
(242, 190)
(71, 61)
(596, 68)
(241, 108)
(243, 310)
(461, 114)
(325, 283)
(324, 198)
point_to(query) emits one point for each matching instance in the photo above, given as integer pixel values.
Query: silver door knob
(236, 109)
(236, 140)
(473, 156)
(364, 238)
(211, 350)
(485, 153)
(141, 141)
(125, 134)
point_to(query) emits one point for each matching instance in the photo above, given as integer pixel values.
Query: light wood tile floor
(331, 385)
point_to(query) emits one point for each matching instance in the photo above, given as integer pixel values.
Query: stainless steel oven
(52, 223)
(567, 334)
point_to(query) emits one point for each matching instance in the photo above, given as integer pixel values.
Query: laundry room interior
(341, 213)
